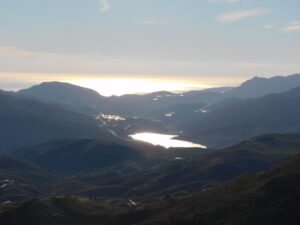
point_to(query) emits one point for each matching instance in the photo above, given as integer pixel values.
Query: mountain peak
(58, 86)
(71, 96)
(259, 86)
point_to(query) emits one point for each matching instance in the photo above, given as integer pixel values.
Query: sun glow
(121, 86)
(108, 85)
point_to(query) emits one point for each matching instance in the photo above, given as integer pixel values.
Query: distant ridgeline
(217, 117)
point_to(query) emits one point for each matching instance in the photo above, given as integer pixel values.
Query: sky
(168, 43)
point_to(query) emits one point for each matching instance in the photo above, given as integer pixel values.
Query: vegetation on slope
(270, 197)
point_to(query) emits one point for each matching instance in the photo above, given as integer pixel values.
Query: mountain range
(66, 156)
(88, 101)
(214, 117)
(274, 113)
(258, 86)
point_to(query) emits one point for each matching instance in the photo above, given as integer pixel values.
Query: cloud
(152, 22)
(269, 26)
(295, 23)
(10, 51)
(231, 17)
(293, 26)
(229, 1)
(104, 5)
(254, 65)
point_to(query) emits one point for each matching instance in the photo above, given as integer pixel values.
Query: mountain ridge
(259, 86)
(274, 113)
(26, 121)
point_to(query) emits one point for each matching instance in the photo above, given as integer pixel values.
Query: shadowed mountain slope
(275, 113)
(78, 155)
(258, 86)
(27, 122)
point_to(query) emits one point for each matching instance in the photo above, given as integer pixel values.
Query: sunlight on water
(164, 140)
(110, 117)
(121, 86)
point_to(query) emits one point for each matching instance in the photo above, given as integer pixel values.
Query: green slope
(21, 179)
(270, 198)
(98, 168)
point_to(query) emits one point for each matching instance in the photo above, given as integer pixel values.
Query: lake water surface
(165, 140)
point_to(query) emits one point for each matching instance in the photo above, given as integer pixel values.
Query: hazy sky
(221, 41)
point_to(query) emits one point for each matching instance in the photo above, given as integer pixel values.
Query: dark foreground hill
(215, 167)
(270, 198)
(21, 179)
(27, 122)
(275, 113)
(78, 155)
(91, 167)
(96, 168)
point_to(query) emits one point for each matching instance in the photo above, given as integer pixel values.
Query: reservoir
(165, 140)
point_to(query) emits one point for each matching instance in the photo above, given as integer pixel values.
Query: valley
(91, 158)
(138, 112)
